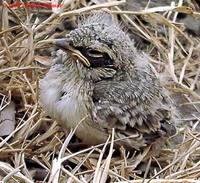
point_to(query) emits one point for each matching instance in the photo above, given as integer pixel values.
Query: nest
(34, 148)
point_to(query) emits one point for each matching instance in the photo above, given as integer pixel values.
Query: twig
(93, 7)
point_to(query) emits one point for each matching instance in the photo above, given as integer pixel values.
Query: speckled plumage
(118, 90)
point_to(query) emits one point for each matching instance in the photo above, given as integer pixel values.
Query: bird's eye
(96, 58)
(94, 53)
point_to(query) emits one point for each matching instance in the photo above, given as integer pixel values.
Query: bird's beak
(64, 45)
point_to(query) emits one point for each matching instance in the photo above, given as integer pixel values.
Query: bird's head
(100, 45)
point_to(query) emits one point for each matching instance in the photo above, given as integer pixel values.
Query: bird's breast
(66, 99)
(62, 97)
(71, 108)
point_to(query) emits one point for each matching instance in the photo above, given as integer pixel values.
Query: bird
(99, 81)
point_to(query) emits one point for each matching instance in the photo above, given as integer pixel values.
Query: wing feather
(130, 109)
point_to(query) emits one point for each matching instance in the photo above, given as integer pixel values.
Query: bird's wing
(131, 109)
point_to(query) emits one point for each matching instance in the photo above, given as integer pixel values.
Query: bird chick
(100, 79)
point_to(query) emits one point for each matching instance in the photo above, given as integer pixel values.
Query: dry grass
(38, 139)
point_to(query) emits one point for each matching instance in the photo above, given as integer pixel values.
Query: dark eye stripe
(103, 61)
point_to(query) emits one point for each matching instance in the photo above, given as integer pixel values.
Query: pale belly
(70, 110)
(73, 113)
